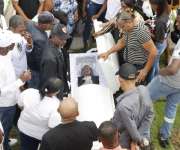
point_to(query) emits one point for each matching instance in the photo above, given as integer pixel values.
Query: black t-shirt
(73, 136)
(29, 7)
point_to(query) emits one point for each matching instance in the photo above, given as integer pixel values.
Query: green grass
(158, 119)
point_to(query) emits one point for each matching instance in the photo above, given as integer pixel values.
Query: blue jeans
(7, 117)
(159, 89)
(28, 143)
(160, 49)
(35, 80)
(92, 9)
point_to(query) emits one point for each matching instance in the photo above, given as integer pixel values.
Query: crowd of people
(35, 76)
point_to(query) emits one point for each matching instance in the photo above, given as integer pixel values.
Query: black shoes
(163, 142)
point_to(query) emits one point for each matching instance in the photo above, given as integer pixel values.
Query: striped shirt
(134, 52)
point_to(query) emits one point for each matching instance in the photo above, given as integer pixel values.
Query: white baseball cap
(8, 37)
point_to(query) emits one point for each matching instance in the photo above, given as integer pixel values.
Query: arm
(54, 119)
(103, 8)
(27, 42)
(10, 88)
(151, 49)
(130, 125)
(41, 6)
(146, 123)
(120, 44)
(171, 69)
(19, 10)
(84, 7)
(94, 130)
(44, 144)
(1, 133)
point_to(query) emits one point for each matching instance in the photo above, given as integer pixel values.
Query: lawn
(175, 139)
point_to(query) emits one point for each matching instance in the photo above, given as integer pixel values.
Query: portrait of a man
(87, 76)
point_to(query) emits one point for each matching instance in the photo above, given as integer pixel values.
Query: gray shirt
(173, 80)
(133, 115)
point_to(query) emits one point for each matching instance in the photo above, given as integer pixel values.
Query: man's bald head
(68, 109)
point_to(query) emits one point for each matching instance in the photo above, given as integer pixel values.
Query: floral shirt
(69, 7)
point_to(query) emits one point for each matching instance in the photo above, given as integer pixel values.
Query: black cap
(127, 71)
(46, 17)
(58, 31)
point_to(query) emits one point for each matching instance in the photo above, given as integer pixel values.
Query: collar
(119, 99)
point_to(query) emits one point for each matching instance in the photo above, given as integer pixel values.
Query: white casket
(110, 66)
(95, 104)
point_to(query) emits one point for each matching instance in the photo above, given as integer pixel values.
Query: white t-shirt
(18, 57)
(113, 7)
(98, 1)
(36, 120)
(9, 86)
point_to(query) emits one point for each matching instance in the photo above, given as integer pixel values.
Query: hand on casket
(104, 55)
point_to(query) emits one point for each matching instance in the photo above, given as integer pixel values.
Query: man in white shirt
(167, 84)
(23, 45)
(9, 85)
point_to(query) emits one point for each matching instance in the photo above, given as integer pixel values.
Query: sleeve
(44, 144)
(48, 69)
(130, 125)
(176, 52)
(10, 88)
(94, 130)
(143, 35)
(24, 46)
(116, 120)
(20, 99)
(145, 126)
(54, 119)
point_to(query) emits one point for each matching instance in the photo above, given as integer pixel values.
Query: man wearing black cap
(40, 38)
(52, 63)
(134, 111)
